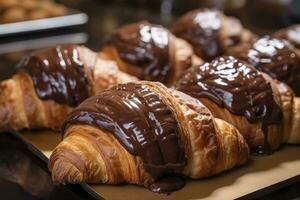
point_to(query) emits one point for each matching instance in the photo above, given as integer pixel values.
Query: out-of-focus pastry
(263, 109)
(12, 15)
(144, 133)
(14, 10)
(276, 57)
(51, 82)
(150, 52)
(210, 32)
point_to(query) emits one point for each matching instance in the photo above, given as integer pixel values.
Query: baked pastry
(161, 136)
(210, 32)
(263, 109)
(149, 52)
(15, 10)
(51, 82)
(276, 57)
(291, 33)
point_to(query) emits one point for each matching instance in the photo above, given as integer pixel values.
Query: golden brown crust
(294, 137)
(102, 159)
(21, 108)
(89, 154)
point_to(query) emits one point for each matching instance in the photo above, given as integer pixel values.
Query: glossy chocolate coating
(142, 123)
(275, 57)
(57, 74)
(238, 87)
(145, 46)
(292, 34)
(201, 28)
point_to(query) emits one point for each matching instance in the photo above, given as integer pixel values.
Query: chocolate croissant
(149, 52)
(275, 57)
(210, 32)
(144, 133)
(264, 110)
(51, 82)
(291, 33)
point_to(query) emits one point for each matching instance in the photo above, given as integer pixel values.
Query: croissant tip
(64, 171)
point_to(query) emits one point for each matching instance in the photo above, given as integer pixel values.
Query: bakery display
(155, 107)
(275, 57)
(15, 10)
(144, 133)
(51, 82)
(149, 52)
(263, 109)
(210, 32)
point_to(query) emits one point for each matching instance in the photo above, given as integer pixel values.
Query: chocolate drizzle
(57, 74)
(236, 86)
(143, 124)
(201, 28)
(146, 46)
(275, 57)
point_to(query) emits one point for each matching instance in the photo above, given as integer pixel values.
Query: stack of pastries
(147, 110)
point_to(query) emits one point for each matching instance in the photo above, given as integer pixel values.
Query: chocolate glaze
(146, 46)
(238, 87)
(201, 28)
(163, 185)
(57, 74)
(292, 34)
(143, 124)
(275, 57)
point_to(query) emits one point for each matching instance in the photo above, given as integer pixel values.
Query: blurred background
(104, 16)
(28, 25)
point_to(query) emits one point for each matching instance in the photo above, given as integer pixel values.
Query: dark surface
(24, 174)
(261, 16)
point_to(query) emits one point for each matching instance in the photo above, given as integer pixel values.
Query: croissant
(149, 52)
(144, 133)
(291, 34)
(276, 57)
(51, 82)
(263, 109)
(210, 32)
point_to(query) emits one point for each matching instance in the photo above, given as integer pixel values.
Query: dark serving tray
(24, 174)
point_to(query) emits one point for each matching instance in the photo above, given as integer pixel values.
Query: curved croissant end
(21, 108)
(93, 156)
